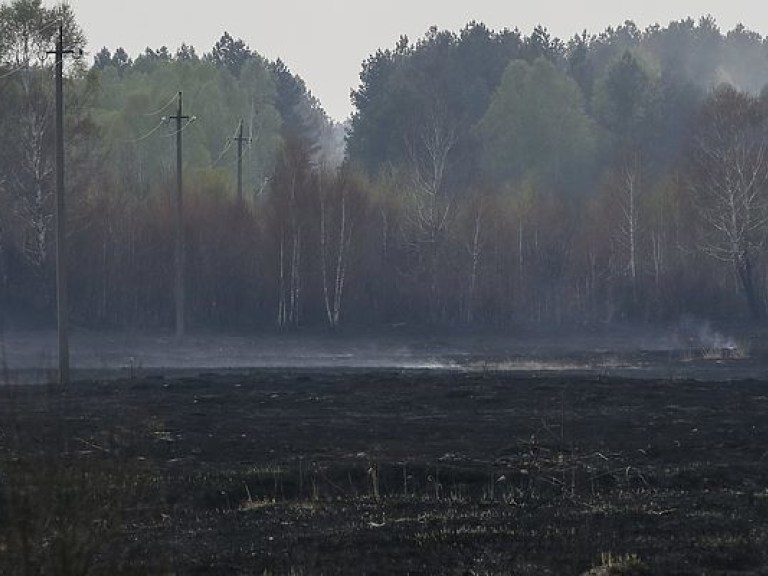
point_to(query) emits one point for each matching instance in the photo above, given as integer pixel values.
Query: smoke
(332, 142)
(713, 339)
(708, 338)
(701, 335)
(689, 348)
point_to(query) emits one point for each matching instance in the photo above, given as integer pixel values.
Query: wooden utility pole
(240, 139)
(62, 301)
(178, 222)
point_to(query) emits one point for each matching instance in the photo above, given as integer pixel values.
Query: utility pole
(240, 139)
(62, 302)
(178, 222)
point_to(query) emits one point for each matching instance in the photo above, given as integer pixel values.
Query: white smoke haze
(684, 350)
(714, 339)
(700, 334)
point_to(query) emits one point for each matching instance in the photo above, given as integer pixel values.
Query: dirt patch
(381, 472)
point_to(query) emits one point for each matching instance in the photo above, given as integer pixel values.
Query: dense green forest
(489, 179)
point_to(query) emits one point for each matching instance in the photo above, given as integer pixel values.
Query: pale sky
(326, 42)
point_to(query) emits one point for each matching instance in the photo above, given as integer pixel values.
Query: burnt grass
(384, 472)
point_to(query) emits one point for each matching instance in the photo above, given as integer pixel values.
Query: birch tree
(341, 207)
(431, 203)
(28, 31)
(476, 218)
(729, 181)
(289, 202)
(625, 101)
(626, 192)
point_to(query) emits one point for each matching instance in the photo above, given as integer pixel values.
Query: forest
(486, 179)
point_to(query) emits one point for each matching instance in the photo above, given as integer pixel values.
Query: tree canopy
(490, 178)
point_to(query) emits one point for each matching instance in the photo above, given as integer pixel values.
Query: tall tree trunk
(475, 253)
(281, 308)
(295, 295)
(324, 261)
(745, 274)
(341, 260)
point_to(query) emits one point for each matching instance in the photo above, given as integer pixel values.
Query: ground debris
(388, 471)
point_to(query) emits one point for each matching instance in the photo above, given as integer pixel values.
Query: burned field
(381, 472)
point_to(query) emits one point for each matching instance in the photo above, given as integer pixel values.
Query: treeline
(489, 179)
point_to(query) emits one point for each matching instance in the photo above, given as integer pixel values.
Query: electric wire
(49, 25)
(51, 70)
(236, 160)
(175, 132)
(145, 136)
(226, 148)
(239, 156)
(163, 108)
(14, 71)
(26, 65)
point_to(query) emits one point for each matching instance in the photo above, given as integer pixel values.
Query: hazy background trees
(27, 31)
(485, 179)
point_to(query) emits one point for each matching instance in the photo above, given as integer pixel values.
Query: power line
(227, 146)
(26, 65)
(50, 24)
(180, 130)
(145, 136)
(14, 71)
(232, 162)
(118, 114)
(163, 109)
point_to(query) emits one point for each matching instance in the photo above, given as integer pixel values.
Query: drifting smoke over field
(687, 349)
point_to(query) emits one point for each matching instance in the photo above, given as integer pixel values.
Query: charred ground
(385, 471)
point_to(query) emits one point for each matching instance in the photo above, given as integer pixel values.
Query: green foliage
(493, 177)
(625, 101)
(28, 30)
(536, 126)
(230, 54)
(401, 87)
(134, 99)
(301, 112)
(605, 118)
